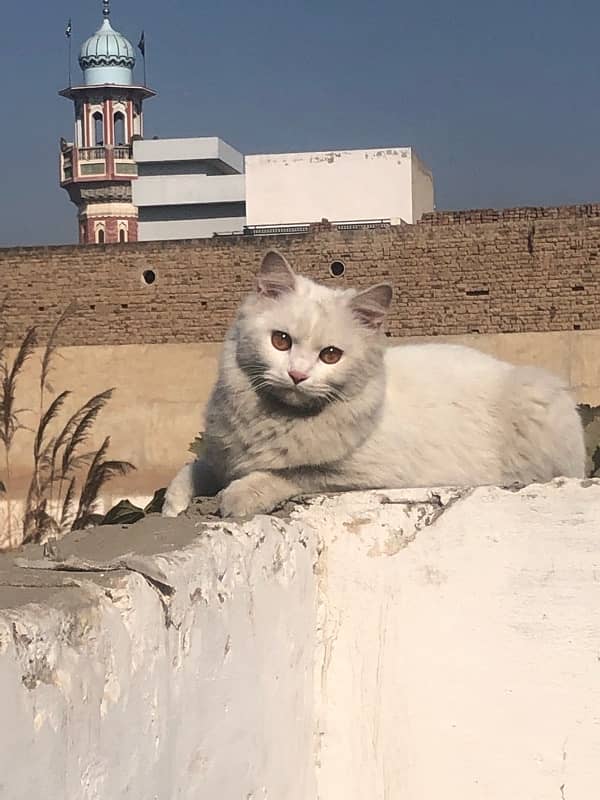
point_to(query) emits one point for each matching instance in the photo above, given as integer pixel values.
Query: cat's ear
(275, 276)
(371, 305)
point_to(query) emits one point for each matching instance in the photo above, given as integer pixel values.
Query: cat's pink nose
(297, 376)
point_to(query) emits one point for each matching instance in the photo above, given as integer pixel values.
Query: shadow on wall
(590, 416)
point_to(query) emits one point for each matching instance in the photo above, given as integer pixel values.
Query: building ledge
(74, 92)
(203, 148)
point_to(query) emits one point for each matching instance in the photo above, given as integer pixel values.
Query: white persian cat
(310, 399)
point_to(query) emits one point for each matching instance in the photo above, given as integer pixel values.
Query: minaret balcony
(100, 163)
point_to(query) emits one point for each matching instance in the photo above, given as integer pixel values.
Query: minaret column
(97, 169)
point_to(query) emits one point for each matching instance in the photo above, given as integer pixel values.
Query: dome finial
(106, 9)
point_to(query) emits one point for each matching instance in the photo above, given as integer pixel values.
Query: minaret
(98, 167)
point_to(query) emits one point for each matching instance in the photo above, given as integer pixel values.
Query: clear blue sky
(501, 100)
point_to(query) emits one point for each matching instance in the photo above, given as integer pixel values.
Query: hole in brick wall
(203, 303)
(337, 269)
(124, 305)
(92, 307)
(578, 288)
(474, 330)
(477, 292)
(41, 308)
(388, 334)
(576, 327)
(149, 276)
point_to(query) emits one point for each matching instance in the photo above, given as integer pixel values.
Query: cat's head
(307, 344)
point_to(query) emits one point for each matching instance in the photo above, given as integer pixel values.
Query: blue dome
(107, 57)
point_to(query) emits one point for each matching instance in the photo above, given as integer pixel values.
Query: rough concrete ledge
(188, 674)
(417, 644)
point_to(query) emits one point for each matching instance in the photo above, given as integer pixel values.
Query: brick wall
(455, 272)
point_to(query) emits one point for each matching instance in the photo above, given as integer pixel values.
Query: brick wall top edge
(459, 217)
(237, 240)
(479, 215)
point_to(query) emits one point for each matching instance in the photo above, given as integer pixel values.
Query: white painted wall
(167, 190)
(286, 188)
(460, 646)
(415, 644)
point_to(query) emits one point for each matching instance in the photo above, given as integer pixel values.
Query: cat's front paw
(257, 493)
(179, 493)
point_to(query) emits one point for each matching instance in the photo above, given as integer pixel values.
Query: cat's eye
(281, 340)
(331, 355)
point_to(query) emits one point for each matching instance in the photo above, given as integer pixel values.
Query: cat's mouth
(283, 392)
(298, 394)
(292, 396)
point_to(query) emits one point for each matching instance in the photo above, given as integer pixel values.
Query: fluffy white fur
(414, 415)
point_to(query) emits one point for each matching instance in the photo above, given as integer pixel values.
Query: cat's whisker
(330, 394)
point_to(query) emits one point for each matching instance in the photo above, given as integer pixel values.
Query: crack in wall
(424, 514)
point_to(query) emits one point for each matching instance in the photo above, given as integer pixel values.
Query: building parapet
(106, 162)
(314, 227)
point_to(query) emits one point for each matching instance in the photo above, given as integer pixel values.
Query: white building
(389, 184)
(190, 188)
